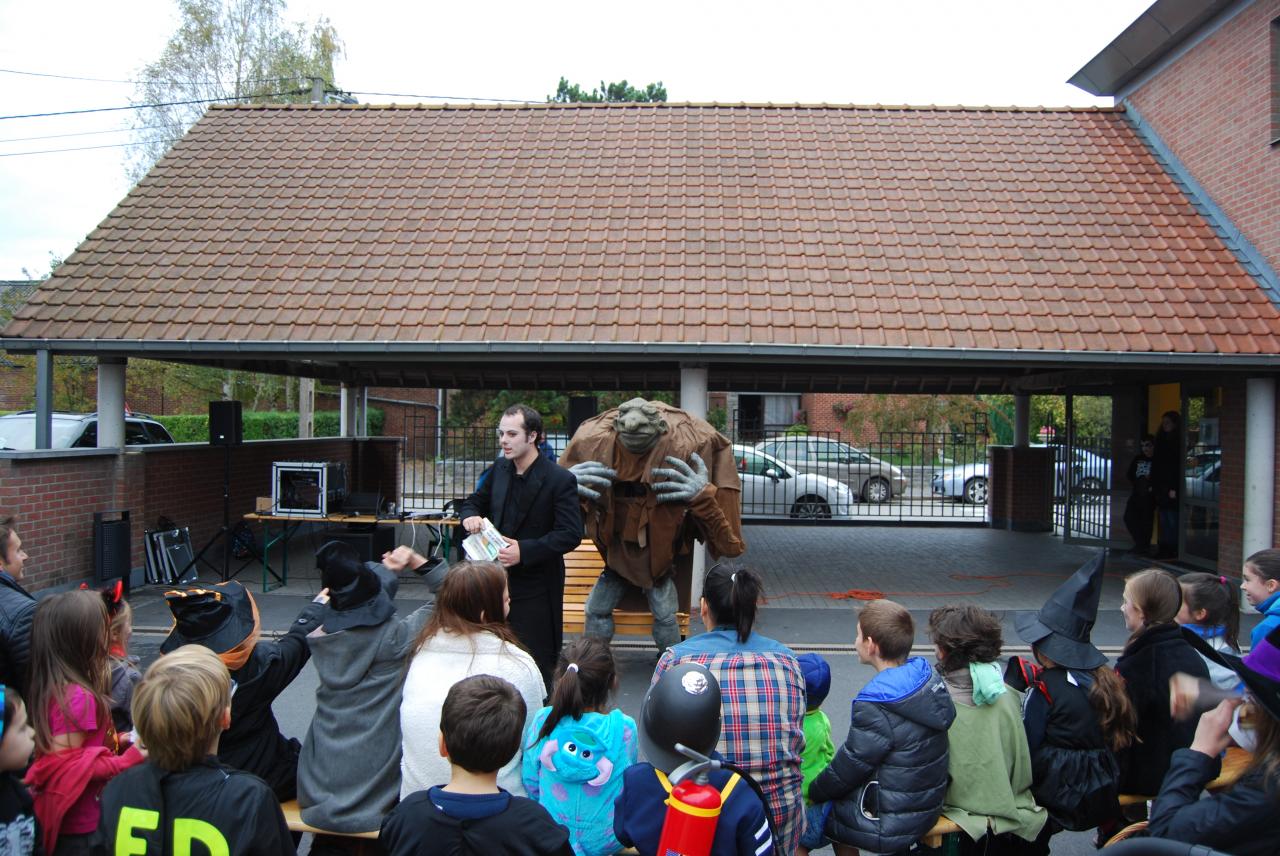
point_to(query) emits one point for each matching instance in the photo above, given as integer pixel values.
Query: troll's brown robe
(665, 530)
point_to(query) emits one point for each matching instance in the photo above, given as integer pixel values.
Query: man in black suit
(534, 504)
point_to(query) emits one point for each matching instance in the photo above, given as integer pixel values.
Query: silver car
(867, 476)
(770, 487)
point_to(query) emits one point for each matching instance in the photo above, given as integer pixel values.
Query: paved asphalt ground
(806, 571)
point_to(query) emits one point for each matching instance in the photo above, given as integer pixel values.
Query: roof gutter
(325, 352)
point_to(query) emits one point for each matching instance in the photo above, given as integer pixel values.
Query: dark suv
(77, 431)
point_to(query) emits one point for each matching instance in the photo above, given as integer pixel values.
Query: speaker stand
(224, 533)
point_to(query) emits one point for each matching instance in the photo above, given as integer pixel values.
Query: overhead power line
(138, 82)
(87, 148)
(81, 134)
(157, 104)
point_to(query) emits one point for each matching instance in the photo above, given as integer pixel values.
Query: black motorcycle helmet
(682, 707)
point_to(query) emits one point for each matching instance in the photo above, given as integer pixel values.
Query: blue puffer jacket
(889, 778)
(1270, 609)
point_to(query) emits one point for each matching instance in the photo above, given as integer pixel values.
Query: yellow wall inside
(1160, 399)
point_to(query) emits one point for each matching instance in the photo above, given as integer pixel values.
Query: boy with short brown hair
(480, 729)
(182, 794)
(896, 751)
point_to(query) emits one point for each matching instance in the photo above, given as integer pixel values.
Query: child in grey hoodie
(349, 770)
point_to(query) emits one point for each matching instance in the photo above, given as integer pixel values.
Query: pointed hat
(1060, 630)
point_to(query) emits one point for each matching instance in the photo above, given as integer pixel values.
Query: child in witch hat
(1076, 712)
(224, 619)
(349, 770)
(1241, 819)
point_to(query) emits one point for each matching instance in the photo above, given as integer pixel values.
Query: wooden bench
(581, 568)
(1233, 766)
(293, 819)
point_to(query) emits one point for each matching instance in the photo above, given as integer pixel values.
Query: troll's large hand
(683, 482)
(593, 478)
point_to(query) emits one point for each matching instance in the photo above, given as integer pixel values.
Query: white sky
(853, 52)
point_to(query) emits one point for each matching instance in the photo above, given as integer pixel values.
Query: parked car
(770, 487)
(77, 431)
(1201, 483)
(968, 482)
(867, 476)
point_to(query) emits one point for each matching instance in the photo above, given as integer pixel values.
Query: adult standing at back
(534, 504)
(17, 608)
(761, 690)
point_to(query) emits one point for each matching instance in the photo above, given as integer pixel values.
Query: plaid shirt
(763, 706)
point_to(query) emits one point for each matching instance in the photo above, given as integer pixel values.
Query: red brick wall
(1212, 107)
(54, 497)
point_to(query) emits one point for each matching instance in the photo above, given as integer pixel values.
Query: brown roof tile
(921, 227)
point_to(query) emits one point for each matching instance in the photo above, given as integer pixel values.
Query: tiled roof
(973, 228)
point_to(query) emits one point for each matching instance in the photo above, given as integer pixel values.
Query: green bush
(799, 429)
(265, 425)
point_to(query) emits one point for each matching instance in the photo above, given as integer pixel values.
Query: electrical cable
(87, 148)
(141, 82)
(82, 134)
(158, 104)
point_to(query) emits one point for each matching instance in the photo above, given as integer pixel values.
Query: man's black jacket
(547, 521)
(209, 804)
(17, 608)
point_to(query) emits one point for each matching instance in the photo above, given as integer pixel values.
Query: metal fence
(1082, 486)
(904, 477)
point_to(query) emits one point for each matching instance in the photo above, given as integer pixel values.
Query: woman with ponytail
(762, 693)
(576, 749)
(1155, 651)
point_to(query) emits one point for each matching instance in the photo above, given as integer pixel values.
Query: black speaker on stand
(581, 408)
(226, 429)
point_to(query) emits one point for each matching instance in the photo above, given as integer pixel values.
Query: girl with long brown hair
(71, 714)
(467, 635)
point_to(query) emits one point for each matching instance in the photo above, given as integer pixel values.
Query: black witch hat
(357, 597)
(1060, 630)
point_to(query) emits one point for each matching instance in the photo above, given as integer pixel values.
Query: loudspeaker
(371, 543)
(581, 408)
(111, 541)
(226, 426)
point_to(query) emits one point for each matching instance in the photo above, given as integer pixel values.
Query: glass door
(1198, 508)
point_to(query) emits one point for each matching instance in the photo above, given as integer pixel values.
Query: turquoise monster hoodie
(575, 773)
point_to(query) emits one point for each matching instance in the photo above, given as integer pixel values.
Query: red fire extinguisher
(693, 810)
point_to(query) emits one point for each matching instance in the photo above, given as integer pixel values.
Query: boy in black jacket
(480, 727)
(224, 619)
(182, 794)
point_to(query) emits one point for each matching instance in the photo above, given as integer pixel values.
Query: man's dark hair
(6, 535)
(481, 721)
(532, 420)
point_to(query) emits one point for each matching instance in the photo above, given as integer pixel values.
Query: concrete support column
(1259, 464)
(44, 399)
(306, 407)
(693, 400)
(353, 417)
(1021, 420)
(110, 402)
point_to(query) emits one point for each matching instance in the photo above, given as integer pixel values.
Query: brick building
(772, 253)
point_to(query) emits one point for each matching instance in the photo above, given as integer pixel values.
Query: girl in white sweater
(467, 635)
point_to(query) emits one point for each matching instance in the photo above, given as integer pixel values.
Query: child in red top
(75, 740)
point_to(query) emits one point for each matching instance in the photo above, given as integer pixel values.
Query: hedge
(264, 425)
